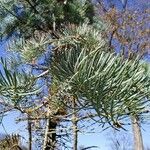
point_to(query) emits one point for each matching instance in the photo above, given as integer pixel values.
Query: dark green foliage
(27, 16)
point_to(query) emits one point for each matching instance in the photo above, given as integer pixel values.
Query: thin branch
(32, 6)
(43, 74)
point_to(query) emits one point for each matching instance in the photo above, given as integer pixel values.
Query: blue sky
(100, 139)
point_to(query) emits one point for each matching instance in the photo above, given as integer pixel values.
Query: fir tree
(85, 72)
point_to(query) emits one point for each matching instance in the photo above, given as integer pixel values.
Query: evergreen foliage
(83, 66)
(25, 17)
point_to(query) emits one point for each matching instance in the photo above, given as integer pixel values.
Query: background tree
(12, 142)
(120, 141)
(128, 31)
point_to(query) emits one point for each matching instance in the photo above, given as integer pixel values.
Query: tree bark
(75, 128)
(50, 135)
(30, 133)
(138, 141)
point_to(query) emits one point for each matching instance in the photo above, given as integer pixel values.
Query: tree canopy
(71, 51)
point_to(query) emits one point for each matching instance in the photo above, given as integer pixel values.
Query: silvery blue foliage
(124, 3)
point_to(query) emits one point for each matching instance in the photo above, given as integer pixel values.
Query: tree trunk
(50, 135)
(138, 141)
(30, 133)
(75, 128)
